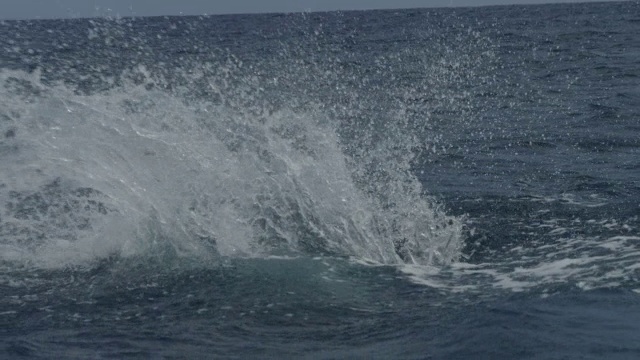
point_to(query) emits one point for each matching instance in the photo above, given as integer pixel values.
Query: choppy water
(436, 183)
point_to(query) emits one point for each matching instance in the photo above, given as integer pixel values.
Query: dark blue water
(414, 184)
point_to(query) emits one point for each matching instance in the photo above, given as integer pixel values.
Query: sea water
(420, 184)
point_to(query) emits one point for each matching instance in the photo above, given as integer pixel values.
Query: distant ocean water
(412, 184)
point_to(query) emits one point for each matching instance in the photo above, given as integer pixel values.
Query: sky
(39, 9)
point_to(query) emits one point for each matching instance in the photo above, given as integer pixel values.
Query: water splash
(158, 171)
(286, 155)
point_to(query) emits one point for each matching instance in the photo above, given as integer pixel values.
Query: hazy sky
(29, 9)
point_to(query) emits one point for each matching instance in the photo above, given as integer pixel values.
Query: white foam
(574, 261)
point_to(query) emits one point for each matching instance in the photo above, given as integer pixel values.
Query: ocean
(456, 183)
